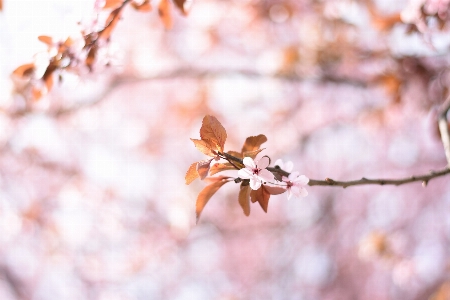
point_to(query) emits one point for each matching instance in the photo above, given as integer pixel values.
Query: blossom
(288, 166)
(295, 185)
(256, 171)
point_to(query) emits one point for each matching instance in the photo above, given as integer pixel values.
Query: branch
(424, 178)
(443, 128)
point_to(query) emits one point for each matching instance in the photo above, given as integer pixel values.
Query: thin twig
(443, 128)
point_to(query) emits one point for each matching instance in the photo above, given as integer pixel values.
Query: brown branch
(443, 128)
(424, 178)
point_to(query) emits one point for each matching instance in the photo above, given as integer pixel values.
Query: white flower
(256, 172)
(295, 185)
(288, 166)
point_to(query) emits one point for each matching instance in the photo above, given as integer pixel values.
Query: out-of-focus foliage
(93, 203)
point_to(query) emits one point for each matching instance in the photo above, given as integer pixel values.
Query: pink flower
(288, 166)
(295, 185)
(256, 172)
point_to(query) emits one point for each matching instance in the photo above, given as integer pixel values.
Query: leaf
(112, 4)
(144, 6)
(253, 153)
(36, 93)
(262, 196)
(203, 168)
(244, 197)
(204, 147)
(220, 167)
(274, 190)
(46, 40)
(48, 80)
(1, 5)
(110, 23)
(205, 195)
(191, 173)
(253, 143)
(24, 70)
(235, 154)
(213, 132)
(165, 13)
(183, 5)
(90, 59)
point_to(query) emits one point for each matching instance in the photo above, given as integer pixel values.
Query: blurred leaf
(110, 23)
(183, 5)
(90, 59)
(392, 84)
(191, 173)
(36, 93)
(213, 132)
(1, 5)
(235, 154)
(143, 7)
(112, 4)
(46, 39)
(442, 293)
(219, 167)
(24, 70)
(203, 168)
(165, 12)
(206, 194)
(244, 197)
(48, 80)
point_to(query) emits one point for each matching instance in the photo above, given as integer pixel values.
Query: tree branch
(424, 178)
(443, 128)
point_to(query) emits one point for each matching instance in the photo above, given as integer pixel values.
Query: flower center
(256, 171)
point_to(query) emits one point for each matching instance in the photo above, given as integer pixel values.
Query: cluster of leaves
(253, 187)
(79, 53)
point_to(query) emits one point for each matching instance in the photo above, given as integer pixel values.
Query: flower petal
(255, 183)
(279, 163)
(266, 175)
(293, 176)
(288, 166)
(245, 173)
(303, 192)
(263, 162)
(249, 163)
(301, 180)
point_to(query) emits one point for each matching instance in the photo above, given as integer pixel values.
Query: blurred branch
(443, 128)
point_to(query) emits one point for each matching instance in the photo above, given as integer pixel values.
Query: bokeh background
(93, 203)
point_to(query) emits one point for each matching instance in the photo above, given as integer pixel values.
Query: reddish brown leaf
(46, 39)
(253, 143)
(165, 12)
(144, 6)
(213, 132)
(235, 154)
(90, 59)
(110, 24)
(204, 147)
(274, 190)
(244, 197)
(183, 5)
(253, 153)
(109, 4)
(191, 173)
(203, 168)
(1, 5)
(262, 196)
(48, 80)
(24, 70)
(205, 195)
(216, 168)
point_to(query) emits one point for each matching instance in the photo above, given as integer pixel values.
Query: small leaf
(274, 190)
(112, 4)
(203, 168)
(46, 40)
(244, 197)
(143, 7)
(110, 24)
(165, 13)
(205, 195)
(213, 132)
(253, 153)
(262, 196)
(24, 70)
(204, 147)
(191, 173)
(253, 143)
(219, 167)
(183, 5)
